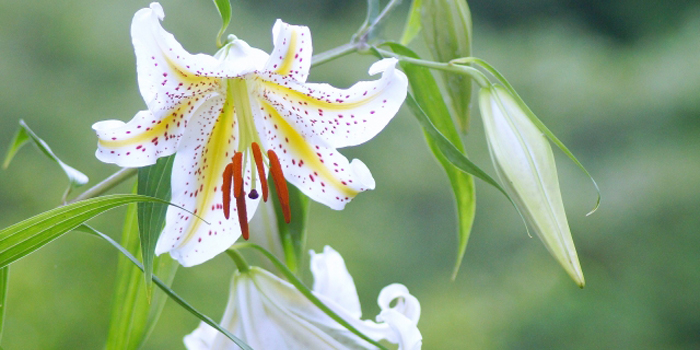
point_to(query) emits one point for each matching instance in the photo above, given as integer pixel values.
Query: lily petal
(333, 281)
(339, 117)
(319, 172)
(206, 148)
(291, 56)
(166, 72)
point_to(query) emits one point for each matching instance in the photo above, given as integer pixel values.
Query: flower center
(237, 96)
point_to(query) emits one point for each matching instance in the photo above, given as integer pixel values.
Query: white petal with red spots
(339, 117)
(291, 56)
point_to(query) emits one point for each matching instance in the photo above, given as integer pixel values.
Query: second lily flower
(254, 108)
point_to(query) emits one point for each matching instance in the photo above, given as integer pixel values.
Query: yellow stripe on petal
(307, 100)
(286, 66)
(151, 132)
(303, 150)
(211, 168)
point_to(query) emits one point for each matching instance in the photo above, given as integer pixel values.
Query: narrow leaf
(429, 98)
(413, 23)
(31, 234)
(543, 128)
(133, 317)
(294, 280)
(154, 181)
(4, 278)
(164, 287)
(224, 8)
(25, 134)
(292, 235)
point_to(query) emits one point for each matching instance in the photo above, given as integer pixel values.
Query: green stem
(238, 259)
(106, 184)
(334, 53)
(474, 73)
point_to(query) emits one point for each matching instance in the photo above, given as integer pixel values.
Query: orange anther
(242, 215)
(237, 174)
(257, 154)
(226, 189)
(280, 184)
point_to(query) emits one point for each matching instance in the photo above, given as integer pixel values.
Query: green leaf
(429, 98)
(224, 8)
(4, 278)
(292, 235)
(296, 282)
(133, 317)
(31, 234)
(163, 286)
(543, 128)
(413, 23)
(154, 181)
(25, 134)
(447, 29)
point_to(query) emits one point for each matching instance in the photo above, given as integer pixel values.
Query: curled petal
(406, 304)
(145, 138)
(320, 172)
(205, 150)
(333, 281)
(339, 117)
(407, 334)
(166, 72)
(291, 56)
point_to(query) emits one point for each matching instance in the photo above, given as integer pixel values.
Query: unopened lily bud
(525, 165)
(447, 29)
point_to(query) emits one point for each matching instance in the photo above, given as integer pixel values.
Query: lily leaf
(154, 181)
(164, 287)
(4, 278)
(413, 23)
(299, 285)
(429, 98)
(135, 310)
(29, 235)
(292, 235)
(224, 8)
(25, 134)
(538, 123)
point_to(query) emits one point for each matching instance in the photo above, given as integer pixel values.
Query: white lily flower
(525, 164)
(220, 114)
(269, 313)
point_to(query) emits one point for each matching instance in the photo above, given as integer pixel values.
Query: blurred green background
(617, 81)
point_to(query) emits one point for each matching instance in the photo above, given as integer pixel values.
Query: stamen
(242, 215)
(280, 184)
(226, 189)
(257, 154)
(237, 174)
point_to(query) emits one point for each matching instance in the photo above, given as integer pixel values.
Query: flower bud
(447, 29)
(525, 165)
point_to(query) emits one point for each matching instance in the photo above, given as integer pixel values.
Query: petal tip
(383, 65)
(157, 10)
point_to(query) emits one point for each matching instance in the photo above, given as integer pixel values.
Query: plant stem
(106, 184)
(334, 53)
(238, 259)
(474, 73)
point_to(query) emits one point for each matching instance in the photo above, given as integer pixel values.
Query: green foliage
(164, 287)
(292, 235)
(154, 181)
(447, 29)
(136, 309)
(429, 97)
(413, 23)
(25, 134)
(224, 9)
(26, 237)
(4, 280)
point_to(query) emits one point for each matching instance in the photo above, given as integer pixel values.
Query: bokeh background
(618, 81)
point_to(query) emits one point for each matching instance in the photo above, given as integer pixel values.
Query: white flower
(269, 313)
(232, 117)
(525, 164)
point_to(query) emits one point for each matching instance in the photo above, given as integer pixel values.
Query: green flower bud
(447, 29)
(525, 165)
